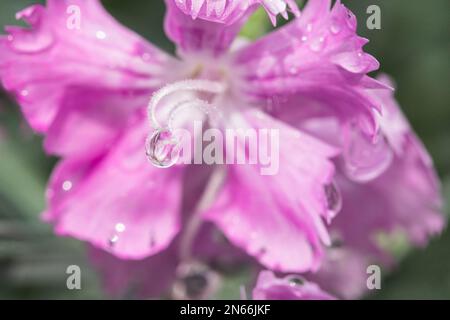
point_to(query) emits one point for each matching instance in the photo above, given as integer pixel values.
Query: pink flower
(85, 85)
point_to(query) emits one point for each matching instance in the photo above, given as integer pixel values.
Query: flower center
(162, 145)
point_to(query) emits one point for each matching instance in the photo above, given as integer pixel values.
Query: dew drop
(309, 27)
(146, 56)
(67, 185)
(113, 240)
(120, 227)
(304, 38)
(364, 160)
(335, 28)
(24, 93)
(295, 281)
(100, 35)
(162, 148)
(318, 44)
(334, 199)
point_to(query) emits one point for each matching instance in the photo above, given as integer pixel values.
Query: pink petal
(89, 121)
(317, 57)
(263, 215)
(38, 64)
(199, 36)
(405, 199)
(269, 287)
(229, 11)
(343, 273)
(119, 202)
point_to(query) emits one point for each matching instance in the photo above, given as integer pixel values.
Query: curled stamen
(163, 147)
(186, 85)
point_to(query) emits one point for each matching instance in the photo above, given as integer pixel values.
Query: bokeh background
(413, 46)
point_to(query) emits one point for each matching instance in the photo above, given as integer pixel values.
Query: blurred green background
(413, 46)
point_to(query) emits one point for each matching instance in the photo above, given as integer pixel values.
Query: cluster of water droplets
(119, 229)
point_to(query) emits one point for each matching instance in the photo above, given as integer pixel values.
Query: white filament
(186, 85)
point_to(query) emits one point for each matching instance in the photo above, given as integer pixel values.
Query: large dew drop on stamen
(163, 148)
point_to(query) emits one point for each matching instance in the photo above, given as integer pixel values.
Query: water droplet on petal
(334, 198)
(162, 148)
(100, 35)
(335, 28)
(364, 160)
(67, 185)
(120, 227)
(295, 281)
(113, 240)
(309, 27)
(317, 44)
(304, 38)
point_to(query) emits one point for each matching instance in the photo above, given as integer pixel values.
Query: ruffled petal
(74, 43)
(404, 201)
(199, 36)
(343, 273)
(89, 121)
(263, 214)
(269, 287)
(317, 58)
(118, 202)
(229, 11)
